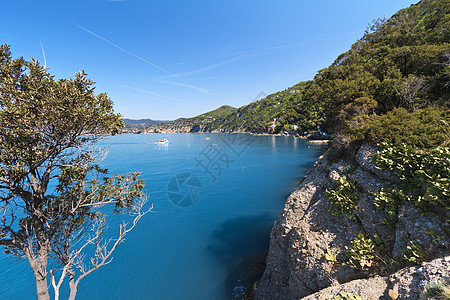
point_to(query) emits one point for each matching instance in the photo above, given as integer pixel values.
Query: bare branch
(102, 249)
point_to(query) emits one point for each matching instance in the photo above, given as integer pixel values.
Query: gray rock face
(408, 283)
(364, 157)
(426, 230)
(308, 227)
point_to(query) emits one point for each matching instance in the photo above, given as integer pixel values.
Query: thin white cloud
(43, 54)
(202, 90)
(126, 51)
(317, 40)
(237, 53)
(177, 64)
(207, 68)
(284, 46)
(200, 70)
(211, 77)
(340, 36)
(159, 97)
(258, 51)
(204, 69)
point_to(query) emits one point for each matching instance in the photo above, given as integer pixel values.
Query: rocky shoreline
(307, 229)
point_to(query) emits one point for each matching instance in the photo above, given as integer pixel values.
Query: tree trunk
(73, 292)
(39, 266)
(39, 263)
(41, 286)
(72, 284)
(56, 294)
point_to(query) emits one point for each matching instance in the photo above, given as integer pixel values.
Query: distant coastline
(313, 137)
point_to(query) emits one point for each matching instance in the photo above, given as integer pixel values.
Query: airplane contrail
(43, 54)
(150, 93)
(202, 90)
(146, 61)
(126, 51)
(207, 68)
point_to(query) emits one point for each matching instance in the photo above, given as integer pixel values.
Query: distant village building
(273, 126)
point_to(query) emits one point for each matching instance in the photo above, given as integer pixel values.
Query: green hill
(206, 120)
(219, 113)
(285, 106)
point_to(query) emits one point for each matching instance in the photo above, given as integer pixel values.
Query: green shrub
(423, 129)
(424, 175)
(331, 257)
(343, 199)
(438, 290)
(433, 289)
(389, 201)
(362, 253)
(345, 296)
(350, 168)
(433, 235)
(413, 255)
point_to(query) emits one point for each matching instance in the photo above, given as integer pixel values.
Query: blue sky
(165, 59)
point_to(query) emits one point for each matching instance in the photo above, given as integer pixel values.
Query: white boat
(162, 141)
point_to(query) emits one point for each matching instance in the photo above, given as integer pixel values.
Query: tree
(53, 193)
(410, 91)
(358, 112)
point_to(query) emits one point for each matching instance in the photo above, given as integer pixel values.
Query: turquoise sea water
(208, 232)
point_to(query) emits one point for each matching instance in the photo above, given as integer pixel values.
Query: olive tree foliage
(53, 193)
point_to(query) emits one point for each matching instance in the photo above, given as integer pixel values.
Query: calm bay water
(204, 239)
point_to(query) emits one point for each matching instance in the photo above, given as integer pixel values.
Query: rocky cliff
(310, 231)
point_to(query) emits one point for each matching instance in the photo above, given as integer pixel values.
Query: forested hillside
(285, 106)
(399, 62)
